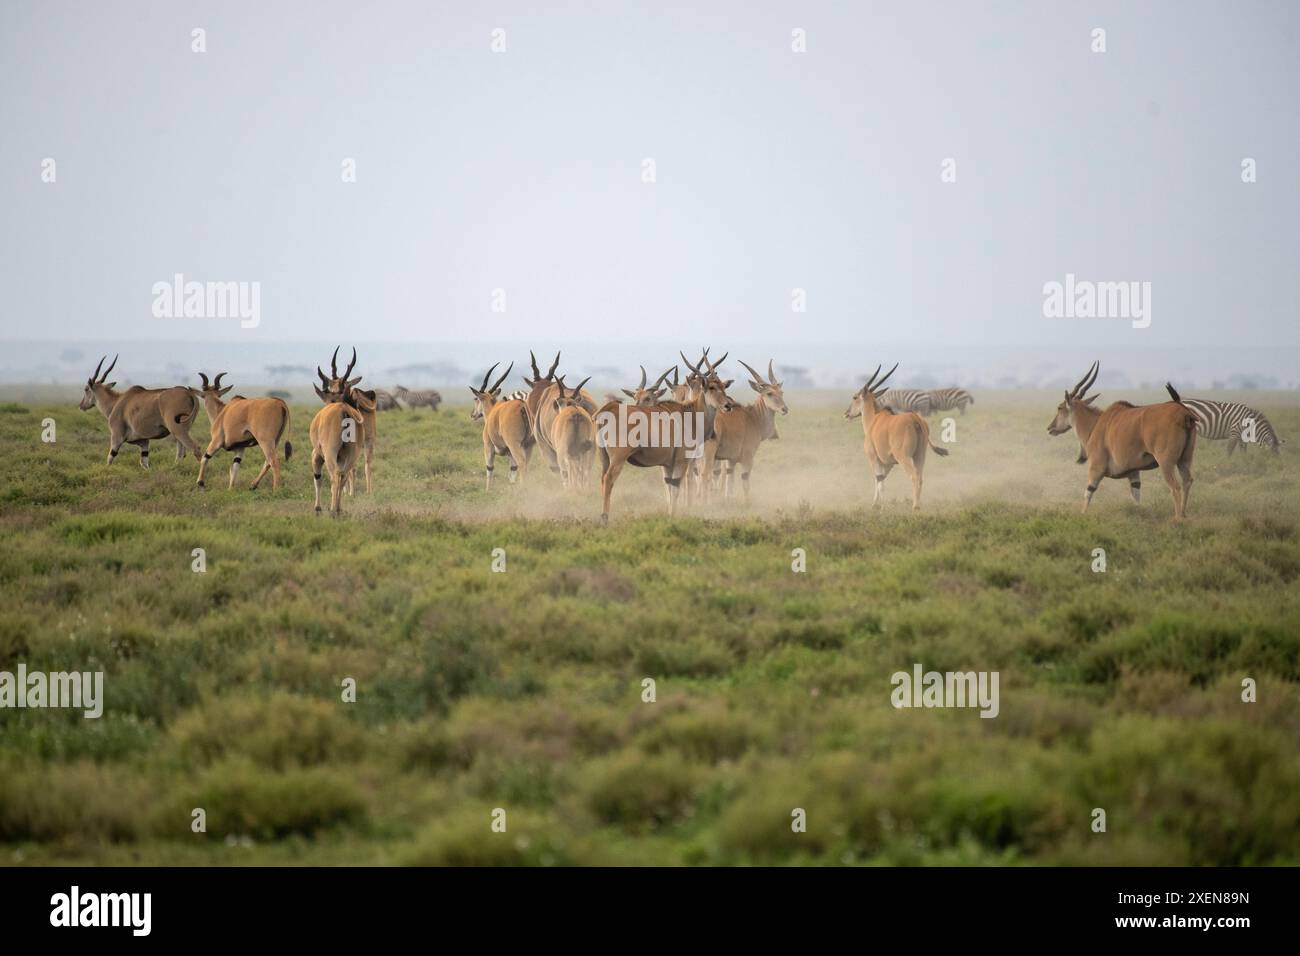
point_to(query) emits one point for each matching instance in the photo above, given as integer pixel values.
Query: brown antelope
(1125, 440)
(738, 433)
(242, 422)
(336, 435)
(538, 386)
(681, 391)
(344, 389)
(141, 415)
(573, 436)
(892, 438)
(505, 426)
(696, 478)
(644, 436)
(542, 410)
(643, 395)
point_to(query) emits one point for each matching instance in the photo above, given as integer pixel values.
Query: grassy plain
(522, 690)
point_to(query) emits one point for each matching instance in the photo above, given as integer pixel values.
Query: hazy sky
(775, 170)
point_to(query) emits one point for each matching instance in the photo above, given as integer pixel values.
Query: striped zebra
(1233, 421)
(424, 398)
(945, 399)
(385, 401)
(907, 400)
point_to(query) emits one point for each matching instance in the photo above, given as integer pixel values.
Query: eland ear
(111, 384)
(755, 386)
(223, 391)
(319, 393)
(728, 383)
(629, 393)
(472, 390)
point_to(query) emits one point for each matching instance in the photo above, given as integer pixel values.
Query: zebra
(1233, 421)
(426, 397)
(907, 400)
(944, 399)
(385, 401)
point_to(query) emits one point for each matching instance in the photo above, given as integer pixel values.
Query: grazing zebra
(518, 395)
(944, 399)
(907, 400)
(1233, 421)
(426, 397)
(386, 401)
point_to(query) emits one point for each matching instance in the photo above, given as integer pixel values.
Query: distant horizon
(807, 364)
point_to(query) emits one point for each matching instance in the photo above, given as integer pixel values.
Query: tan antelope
(141, 415)
(681, 391)
(573, 436)
(1125, 440)
(538, 386)
(892, 438)
(505, 426)
(344, 389)
(542, 409)
(242, 422)
(738, 433)
(647, 395)
(660, 435)
(696, 478)
(336, 434)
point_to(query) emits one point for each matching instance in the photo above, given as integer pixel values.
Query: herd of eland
(687, 424)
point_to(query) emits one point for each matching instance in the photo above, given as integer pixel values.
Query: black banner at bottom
(341, 904)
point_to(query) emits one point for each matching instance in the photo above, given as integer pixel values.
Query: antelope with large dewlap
(1126, 439)
(141, 415)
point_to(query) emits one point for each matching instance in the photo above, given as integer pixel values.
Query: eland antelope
(340, 388)
(1126, 439)
(141, 415)
(648, 395)
(891, 438)
(505, 426)
(542, 409)
(738, 433)
(242, 422)
(661, 435)
(336, 435)
(573, 436)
